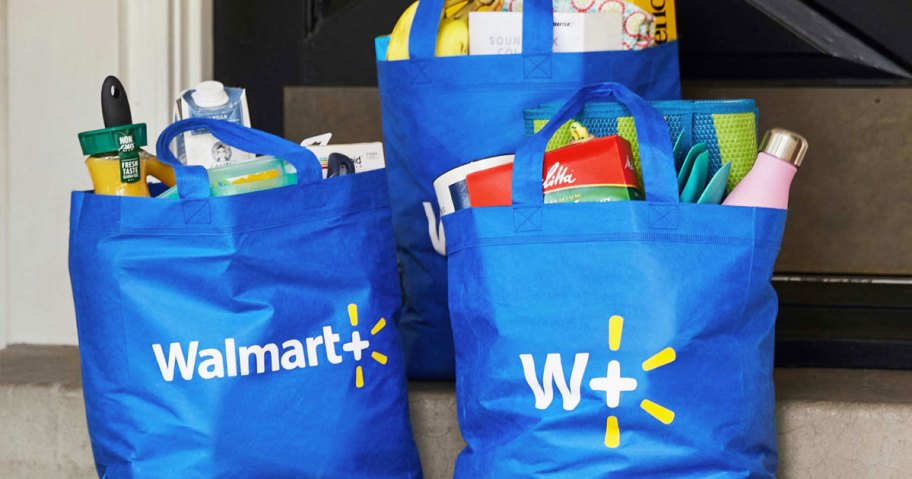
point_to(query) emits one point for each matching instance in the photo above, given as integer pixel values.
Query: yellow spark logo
(657, 411)
(375, 355)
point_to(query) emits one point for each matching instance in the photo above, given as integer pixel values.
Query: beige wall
(58, 54)
(4, 183)
(55, 75)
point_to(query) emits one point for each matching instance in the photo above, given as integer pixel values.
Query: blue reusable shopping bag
(442, 112)
(242, 336)
(623, 339)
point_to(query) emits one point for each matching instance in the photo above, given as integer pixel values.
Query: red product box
(600, 169)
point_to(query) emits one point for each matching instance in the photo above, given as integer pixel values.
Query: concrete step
(832, 423)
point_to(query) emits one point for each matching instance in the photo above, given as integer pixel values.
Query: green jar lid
(108, 140)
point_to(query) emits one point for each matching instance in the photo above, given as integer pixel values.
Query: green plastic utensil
(715, 190)
(684, 172)
(696, 182)
(679, 152)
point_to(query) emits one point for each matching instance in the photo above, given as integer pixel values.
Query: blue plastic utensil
(715, 190)
(684, 172)
(696, 182)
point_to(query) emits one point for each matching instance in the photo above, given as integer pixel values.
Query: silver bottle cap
(785, 145)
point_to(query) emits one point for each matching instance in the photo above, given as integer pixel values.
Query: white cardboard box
(365, 156)
(500, 33)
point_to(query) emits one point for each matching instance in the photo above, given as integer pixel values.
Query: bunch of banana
(460, 8)
(453, 33)
(579, 133)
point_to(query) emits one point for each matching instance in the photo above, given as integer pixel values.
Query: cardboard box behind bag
(500, 33)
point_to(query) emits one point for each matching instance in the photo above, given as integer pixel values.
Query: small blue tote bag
(242, 336)
(624, 339)
(442, 112)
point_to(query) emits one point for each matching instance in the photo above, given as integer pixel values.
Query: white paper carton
(500, 33)
(200, 147)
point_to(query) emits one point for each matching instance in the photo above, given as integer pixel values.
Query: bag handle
(653, 137)
(538, 28)
(193, 181)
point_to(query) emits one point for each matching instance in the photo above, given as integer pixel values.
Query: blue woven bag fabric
(728, 128)
(242, 336)
(621, 339)
(442, 112)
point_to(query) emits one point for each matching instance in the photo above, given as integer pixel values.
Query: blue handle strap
(653, 137)
(538, 28)
(193, 181)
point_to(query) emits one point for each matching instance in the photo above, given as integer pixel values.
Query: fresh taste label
(129, 159)
(192, 361)
(608, 380)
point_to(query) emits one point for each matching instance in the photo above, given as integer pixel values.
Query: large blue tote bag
(439, 113)
(242, 336)
(625, 339)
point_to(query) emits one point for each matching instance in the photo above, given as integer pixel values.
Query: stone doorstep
(832, 423)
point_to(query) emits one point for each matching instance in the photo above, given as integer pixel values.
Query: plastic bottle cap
(108, 140)
(785, 145)
(210, 94)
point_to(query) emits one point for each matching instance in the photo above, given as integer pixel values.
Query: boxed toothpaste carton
(500, 33)
(362, 156)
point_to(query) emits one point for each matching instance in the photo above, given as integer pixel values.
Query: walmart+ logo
(613, 384)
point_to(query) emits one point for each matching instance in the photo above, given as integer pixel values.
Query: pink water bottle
(768, 182)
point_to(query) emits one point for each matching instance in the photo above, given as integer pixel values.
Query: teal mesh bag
(727, 127)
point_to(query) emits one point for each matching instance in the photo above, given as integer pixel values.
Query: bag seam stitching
(250, 227)
(612, 237)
